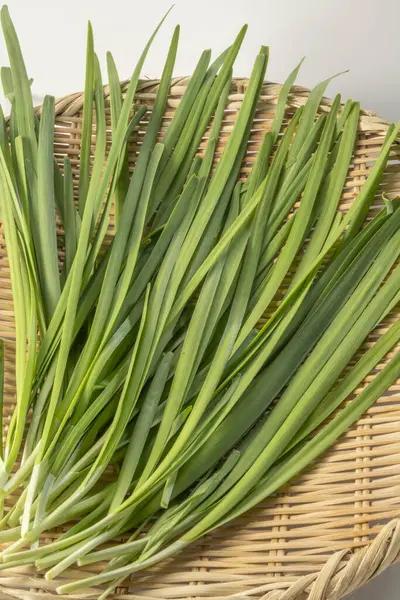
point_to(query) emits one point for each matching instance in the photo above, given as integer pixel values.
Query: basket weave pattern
(336, 525)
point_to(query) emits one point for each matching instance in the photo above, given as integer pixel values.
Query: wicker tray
(334, 527)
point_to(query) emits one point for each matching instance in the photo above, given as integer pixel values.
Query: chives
(149, 357)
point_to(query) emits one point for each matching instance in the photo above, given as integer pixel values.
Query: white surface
(360, 35)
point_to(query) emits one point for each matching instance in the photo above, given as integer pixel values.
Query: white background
(359, 35)
(334, 35)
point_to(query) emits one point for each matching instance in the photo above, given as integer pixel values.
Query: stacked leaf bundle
(148, 357)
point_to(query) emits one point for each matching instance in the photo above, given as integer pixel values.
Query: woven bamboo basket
(335, 526)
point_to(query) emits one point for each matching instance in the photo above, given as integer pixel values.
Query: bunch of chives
(153, 357)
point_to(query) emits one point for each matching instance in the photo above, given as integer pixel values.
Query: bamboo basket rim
(344, 570)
